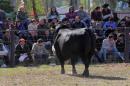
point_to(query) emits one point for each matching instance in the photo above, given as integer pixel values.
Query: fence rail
(10, 38)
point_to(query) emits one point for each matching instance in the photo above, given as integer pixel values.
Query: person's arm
(33, 50)
(5, 50)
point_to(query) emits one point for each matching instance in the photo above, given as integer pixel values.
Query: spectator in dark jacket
(106, 12)
(84, 16)
(78, 23)
(120, 43)
(71, 14)
(96, 14)
(42, 26)
(21, 15)
(22, 52)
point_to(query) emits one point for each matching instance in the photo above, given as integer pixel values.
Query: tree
(6, 6)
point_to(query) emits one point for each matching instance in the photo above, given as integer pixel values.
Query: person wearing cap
(39, 52)
(109, 45)
(22, 52)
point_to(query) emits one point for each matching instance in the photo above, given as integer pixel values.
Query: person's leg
(102, 54)
(117, 53)
(105, 51)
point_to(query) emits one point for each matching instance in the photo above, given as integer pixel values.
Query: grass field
(100, 75)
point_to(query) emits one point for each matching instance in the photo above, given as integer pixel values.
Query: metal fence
(12, 36)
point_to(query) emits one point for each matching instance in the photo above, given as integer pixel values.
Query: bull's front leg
(74, 72)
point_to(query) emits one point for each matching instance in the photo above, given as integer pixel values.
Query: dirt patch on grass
(100, 75)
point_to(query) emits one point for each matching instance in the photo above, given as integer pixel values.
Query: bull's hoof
(62, 72)
(85, 74)
(74, 73)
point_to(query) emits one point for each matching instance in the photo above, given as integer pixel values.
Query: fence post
(127, 44)
(12, 47)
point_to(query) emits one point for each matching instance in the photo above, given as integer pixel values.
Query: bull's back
(76, 45)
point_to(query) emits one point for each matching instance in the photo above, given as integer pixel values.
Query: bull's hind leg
(62, 69)
(73, 61)
(62, 66)
(86, 61)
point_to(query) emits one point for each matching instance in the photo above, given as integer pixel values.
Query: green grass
(100, 75)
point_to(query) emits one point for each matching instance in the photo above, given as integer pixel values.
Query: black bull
(70, 44)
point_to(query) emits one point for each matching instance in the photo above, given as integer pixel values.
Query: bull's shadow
(99, 77)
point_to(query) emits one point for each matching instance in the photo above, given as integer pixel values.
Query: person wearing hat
(22, 52)
(39, 52)
(109, 45)
(106, 12)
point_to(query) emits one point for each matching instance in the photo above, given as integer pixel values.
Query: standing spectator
(39, 52)
(106, 11)
(71, 14)
(22, 52)
(84, 16)
(96, 14)
(109, 45)
(53, 13)
(78, 23)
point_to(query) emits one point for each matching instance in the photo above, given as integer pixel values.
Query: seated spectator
(96, 14)
(21, 15)
(71, 14)
(42, 26)
(63, 25)
(115, 17)
(120, 43)
(110, 24)
(32, 29)
(78, 23)
(125, 22)
(53, 13)
(39, 52)
(4, 54)
(54, 23)
(109, 46)
(84, 16)
(22, 52)
(6, 38)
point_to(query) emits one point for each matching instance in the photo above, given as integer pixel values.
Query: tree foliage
(6, 6)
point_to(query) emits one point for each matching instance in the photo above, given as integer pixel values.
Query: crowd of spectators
(34, 37)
